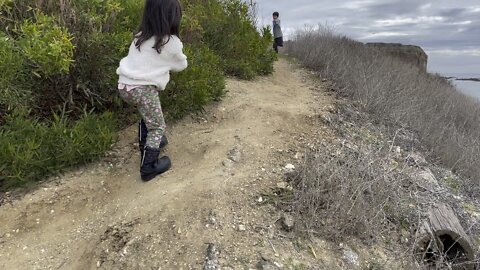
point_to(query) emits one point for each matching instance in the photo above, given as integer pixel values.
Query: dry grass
(446, 120)
(351, 193)
(364, 185)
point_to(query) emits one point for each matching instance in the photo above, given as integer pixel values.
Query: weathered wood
(442, 241)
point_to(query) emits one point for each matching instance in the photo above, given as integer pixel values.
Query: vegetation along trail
(103, 217)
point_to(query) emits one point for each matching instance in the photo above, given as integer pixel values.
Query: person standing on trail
(277, 32)
(155, 51)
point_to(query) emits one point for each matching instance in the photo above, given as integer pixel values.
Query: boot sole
(149, 177)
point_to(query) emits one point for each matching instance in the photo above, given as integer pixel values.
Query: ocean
(471, 88)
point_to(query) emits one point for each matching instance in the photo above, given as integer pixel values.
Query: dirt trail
(103, 217)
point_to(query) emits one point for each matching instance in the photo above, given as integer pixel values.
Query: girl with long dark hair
(155, 51)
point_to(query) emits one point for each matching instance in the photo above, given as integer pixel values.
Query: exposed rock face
(414, 55)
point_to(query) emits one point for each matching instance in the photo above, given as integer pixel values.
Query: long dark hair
(161, 18)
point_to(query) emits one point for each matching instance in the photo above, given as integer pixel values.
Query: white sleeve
(179, 60)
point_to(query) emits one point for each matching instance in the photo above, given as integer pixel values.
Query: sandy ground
(103, 216)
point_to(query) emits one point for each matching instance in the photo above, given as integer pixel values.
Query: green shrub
(230, 31)
(62, 56)
(47, 45)
(31, 150)
(12, 91)
(74, 48)
(193, 88)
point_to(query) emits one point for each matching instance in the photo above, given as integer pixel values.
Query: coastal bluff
(412, 54)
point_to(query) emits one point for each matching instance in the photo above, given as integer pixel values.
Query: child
(155, 51)
(277, 32)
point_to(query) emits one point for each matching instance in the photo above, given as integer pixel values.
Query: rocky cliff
(414, 55)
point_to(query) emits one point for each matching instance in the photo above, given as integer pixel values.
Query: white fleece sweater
(148, 67)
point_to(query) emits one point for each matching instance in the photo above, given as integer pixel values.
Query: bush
(13, 78)
(73, 48)
(351, 193)
(31, 150)
(193, 88)
(230, 31)
(47, 46)
(58, 56)
(446, 120)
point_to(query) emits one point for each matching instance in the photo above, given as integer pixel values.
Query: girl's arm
(179, 60)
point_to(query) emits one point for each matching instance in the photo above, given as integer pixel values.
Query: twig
(393, 141)
(274, 250)
(313, 251)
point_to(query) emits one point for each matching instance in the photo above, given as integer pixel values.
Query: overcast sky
(448, 30)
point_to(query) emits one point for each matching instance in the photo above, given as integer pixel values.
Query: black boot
(142, 138)
(152, 165)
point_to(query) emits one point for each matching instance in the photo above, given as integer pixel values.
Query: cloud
(383, 34)
(409, 20)
(450, 52)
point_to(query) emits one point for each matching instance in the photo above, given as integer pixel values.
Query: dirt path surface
(103, 217)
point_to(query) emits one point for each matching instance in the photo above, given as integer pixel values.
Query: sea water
(471, 88)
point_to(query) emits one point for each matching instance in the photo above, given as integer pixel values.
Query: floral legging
(148, 104)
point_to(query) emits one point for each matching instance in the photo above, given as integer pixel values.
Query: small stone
(350, 256)
(212, 217)
(416, 160)
(282, 185)
(327, 118)
(267, 263)
(211, 260)
(289, 167)
(260, 199)
(427, 176)
(242, 228)
(288, 222)
(279, 265)
(227, 163)
(235, 155)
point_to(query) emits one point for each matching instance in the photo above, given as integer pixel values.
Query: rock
(212, 217)
(266, 263)
(426, 176)
(287, 221)
(242, 228)
(416, 160)
(228, 163)
(350, 256)
(326, 118)
(289, 168)
(235, 155)
(211, 261)
(284, 186)
(410, 54)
